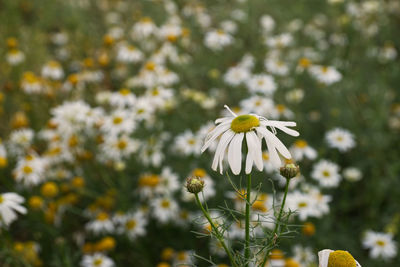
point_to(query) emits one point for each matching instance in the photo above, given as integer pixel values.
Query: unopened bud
(194, 185)
(289, 170)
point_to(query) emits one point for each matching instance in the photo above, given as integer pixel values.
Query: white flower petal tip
(323, 258)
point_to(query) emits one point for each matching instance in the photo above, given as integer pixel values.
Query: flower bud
(290, 170)
(194, 185)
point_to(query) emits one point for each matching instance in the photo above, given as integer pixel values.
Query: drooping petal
(254, 147)
(275, 141)
(273, 154)
(220, 152)
(283, 126)
(235, 153)
(215, 134)
(249, 163)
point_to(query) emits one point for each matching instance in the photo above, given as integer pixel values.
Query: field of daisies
(108, 106)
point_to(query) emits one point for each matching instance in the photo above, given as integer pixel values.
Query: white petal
(254, 147)
(219, 153)
(282, 125)
(235, 153)
(275, 141)
(249, 163)
(323, 257)
(273, 155)
(215, 134)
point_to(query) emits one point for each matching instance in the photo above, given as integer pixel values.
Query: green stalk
(215, 229)
(247, 226)
(278, 221)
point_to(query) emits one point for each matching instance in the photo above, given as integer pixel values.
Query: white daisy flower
(10, 204)
(97, 260)
(326, 173)
(302, 203)
(352, 174)
(338, 258)
(341, 139)
(236, 75)
(217, 39)
(380, 245)
(262, 83)
(326, 75)
(101, 224)
(300, 149)
(164, 209)
(133, 225)
(15, 57)
(129, 54)
(253, 128)
(187, 143)
(53, 70)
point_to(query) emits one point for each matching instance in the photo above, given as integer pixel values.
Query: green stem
(215, 229)
(247, 226)
(277, 224)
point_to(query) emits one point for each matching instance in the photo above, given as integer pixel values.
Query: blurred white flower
(326, 173)
(352, 174)
(10, 205)
(97, 260)
(341, 139)
(380, 245)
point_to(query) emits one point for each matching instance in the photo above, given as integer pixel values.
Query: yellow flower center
(117, 120)
(291, 263)
(97, 262)
(302, 205)
(27, 169)
(379, 242)
(150, 66)
(149, 180)
(265, 156)
(102, 216)
(259, 206)
(122, 144)
(300, 144)
(304, 62)
(244, 123)
(165, 203)
(324, 69)
(1, 199)
(199, 172)
(340, 258)
(276, 254)
(326, 174)
(130, 224)
(124, 91)
(191, 141)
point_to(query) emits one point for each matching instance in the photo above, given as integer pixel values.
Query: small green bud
(290, 170)
(194, 185)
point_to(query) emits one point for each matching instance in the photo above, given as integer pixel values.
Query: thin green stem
(277, 224)
(218, 235)
(247, 226)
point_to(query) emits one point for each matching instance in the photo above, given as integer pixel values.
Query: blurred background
(105, 105)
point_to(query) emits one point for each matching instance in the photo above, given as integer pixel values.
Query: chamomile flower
(236, 75)
(326, 173)
(124, 98)
(380, 245)
(53, 70)
(119, 121)
(133, 225)
(276, 66)
(164, 209)
(341, 139)
(10, 205)
(233, 130)
(129, 54)
(300, 149)
(31, 84)
(15, 57)
(187, 143)
(97, 260)
(262, 83)
(30, 170)
(352, 174)
(101, 224)
(302, 203)
(338, 258)
(217, 39)
(324, 74)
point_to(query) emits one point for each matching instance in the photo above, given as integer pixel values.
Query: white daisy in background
(352, 174)
(184, 258)
(124, 98)
(380, 245)
(217, 39)
(187, 143)
(338, 258)
(276, 66)
(10, 205)
(267, 23)
(341, 139)
(304, 255)
(31, 84)
(326, 173)
(300, 149)
(97, 260)
(279, 41)
(302, 203)
(268, 165)
(143, 29)
(261, 83)
(20, 140)
(324, 74)
(30, 170)
(164, 209)
(15, 57)
(236, 75)
(119, 121)
(133, 224)
(129, 54)
(116, 148)
(259, 105)
(53, 70)
(234, 129)
(101, 224)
